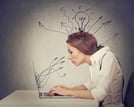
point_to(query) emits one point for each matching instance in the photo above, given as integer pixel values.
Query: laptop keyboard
(45, 95)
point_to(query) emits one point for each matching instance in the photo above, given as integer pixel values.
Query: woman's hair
(84, 42)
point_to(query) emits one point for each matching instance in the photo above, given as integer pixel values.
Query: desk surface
(30, 98)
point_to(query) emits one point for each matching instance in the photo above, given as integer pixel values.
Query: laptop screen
(42, 78)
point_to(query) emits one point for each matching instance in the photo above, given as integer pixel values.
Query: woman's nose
(69, 57)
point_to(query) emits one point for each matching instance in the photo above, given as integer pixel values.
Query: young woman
(105, 82)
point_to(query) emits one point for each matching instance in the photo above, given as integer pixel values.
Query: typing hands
(60, 90)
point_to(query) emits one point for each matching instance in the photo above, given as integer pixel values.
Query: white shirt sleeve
(98, 93)
(88, 84)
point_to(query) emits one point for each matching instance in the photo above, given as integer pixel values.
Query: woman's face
(76, 56)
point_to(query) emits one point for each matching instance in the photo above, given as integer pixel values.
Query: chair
(129, 95)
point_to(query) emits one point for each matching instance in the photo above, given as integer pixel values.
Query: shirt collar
(97, 55)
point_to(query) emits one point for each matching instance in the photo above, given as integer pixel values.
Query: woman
(105, 82)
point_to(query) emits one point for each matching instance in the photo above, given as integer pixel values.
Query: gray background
(23, 41)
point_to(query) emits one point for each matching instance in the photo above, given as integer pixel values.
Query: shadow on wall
(5, 86)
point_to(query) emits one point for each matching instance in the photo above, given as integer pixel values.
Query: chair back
(129, 95)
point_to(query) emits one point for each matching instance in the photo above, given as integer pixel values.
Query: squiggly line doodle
(54, 67)
(81, 21)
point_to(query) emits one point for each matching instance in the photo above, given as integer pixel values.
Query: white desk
(29, 98)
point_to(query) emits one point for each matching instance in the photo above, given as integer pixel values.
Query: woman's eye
(70, 51)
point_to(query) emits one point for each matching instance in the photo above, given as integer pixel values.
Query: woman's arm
(86, 94)
(78, 92)
(79, 87)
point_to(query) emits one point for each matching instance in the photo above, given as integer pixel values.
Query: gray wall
(23, 41)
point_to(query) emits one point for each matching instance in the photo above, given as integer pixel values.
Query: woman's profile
(106, 80)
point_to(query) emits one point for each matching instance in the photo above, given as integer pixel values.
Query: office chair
(129, 95)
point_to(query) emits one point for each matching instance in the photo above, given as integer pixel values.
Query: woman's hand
(61, 86)
(60, 89)
(78, 91)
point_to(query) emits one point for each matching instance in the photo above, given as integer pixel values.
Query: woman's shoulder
(107, 51)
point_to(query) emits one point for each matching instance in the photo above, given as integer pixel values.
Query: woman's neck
(87, 59)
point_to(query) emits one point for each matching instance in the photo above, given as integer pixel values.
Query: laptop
(45, 95)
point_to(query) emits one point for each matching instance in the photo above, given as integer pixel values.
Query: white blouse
(106, 80)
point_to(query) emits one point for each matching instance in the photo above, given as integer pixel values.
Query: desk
(29, 98)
